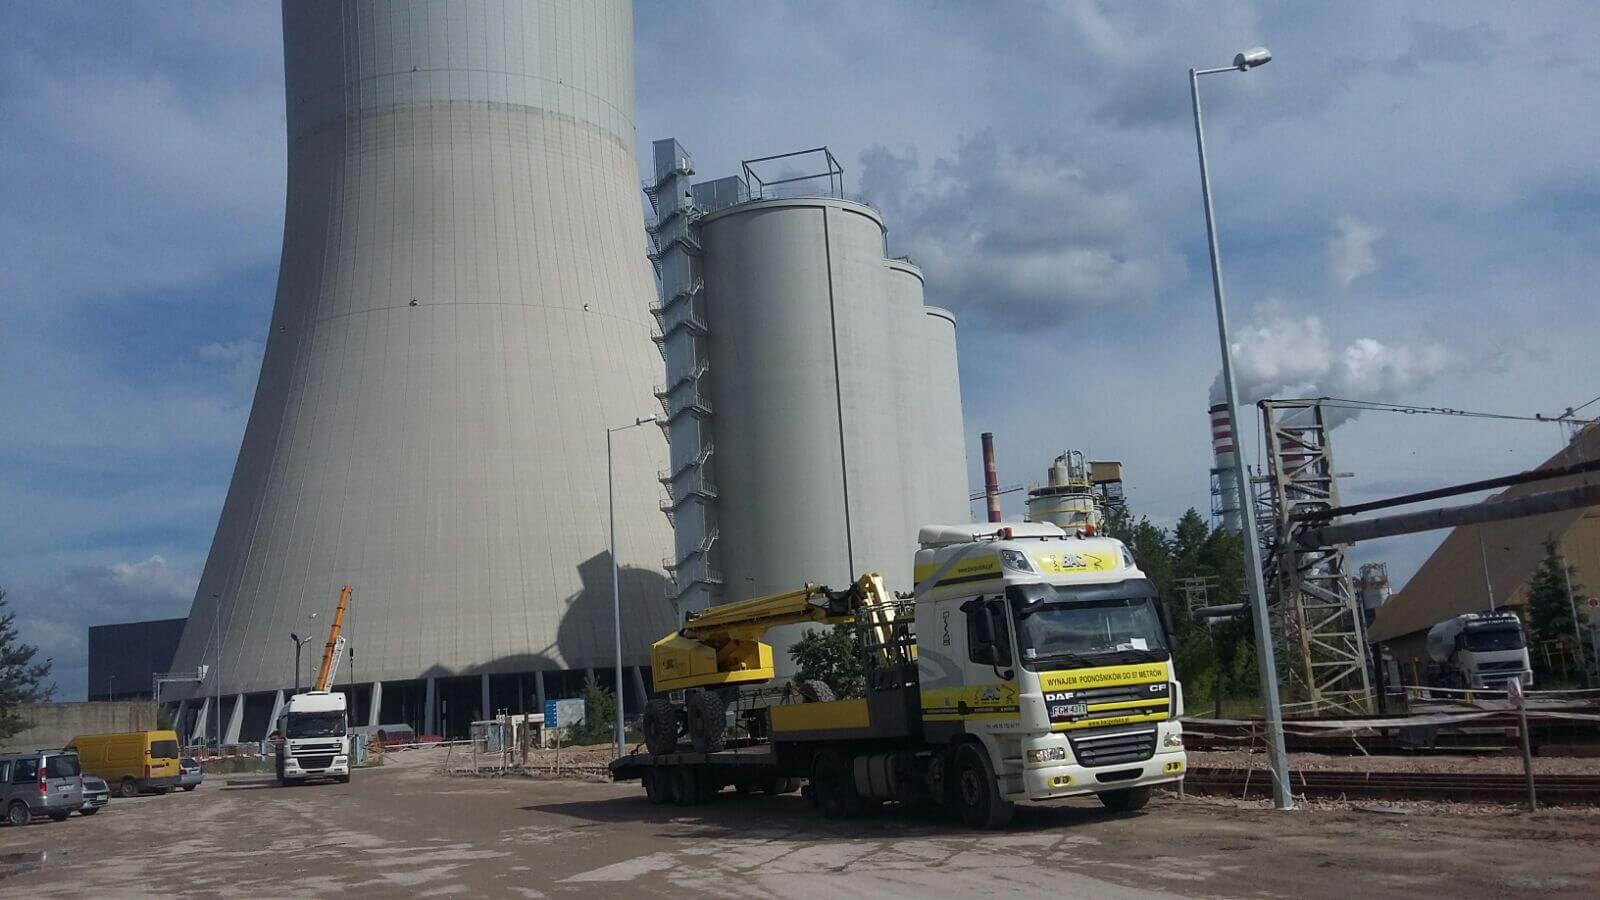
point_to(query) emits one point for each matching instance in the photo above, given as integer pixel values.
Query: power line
(1407, 409)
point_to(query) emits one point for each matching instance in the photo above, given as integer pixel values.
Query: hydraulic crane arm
(335, 643)
(722, 644)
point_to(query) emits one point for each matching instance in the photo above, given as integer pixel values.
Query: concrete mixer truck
(1481, 651)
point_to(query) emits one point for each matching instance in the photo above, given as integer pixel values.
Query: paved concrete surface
(404, 831)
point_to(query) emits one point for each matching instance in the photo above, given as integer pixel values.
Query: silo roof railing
(793, 172)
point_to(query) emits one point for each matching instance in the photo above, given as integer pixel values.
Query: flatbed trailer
(691, 777)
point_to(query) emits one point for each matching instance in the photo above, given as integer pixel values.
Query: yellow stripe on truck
(975, 569)
(1106, 676)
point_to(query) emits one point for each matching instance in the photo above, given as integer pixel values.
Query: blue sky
(1407, 198)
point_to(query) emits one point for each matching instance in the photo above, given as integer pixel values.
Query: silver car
(95, 794)
(189, 773)
(40, 783)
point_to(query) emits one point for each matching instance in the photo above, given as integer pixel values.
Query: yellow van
(132, 761)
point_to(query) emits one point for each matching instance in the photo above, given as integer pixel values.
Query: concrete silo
(462, 312)
(813, 402)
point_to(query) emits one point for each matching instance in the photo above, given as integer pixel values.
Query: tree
(833, 657)
(599, 713)
(1550, 609)
(21, 679)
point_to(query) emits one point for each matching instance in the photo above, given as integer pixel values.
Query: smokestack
(991, 481)
(1225, 496)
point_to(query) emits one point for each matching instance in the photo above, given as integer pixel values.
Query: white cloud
(1350, 253)
(1021, 235)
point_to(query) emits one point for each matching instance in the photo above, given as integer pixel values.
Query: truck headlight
(1173, 739)
(1015, 559)
(1046, 754)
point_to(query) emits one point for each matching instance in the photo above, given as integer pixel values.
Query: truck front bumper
(292, 768)
(1072, 780)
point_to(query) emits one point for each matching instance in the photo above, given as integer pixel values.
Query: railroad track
(1464, 787)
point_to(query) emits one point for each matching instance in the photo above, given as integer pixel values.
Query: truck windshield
(1092, 632)
(312, 725)
(1480, 640)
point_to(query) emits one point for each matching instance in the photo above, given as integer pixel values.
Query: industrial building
(812, 400)
(462, 312)
(124, 657)
(462, 330)
(1482, 567)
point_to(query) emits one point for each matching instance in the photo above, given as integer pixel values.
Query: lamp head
(646, 420)
(1249, 59)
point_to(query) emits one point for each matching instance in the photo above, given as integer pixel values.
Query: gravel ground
(1497, 765)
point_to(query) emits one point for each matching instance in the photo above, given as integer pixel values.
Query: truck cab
(314, 733)
(1053, 652)
(1487, 650)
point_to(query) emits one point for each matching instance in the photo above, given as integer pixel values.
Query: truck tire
(976, 790)
(59, 816)
(660, 727)
(707, 721)
(130, 788)
(1127, 799)
(782, 786)
(833, 786)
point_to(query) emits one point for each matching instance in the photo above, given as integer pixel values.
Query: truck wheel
(707, 721)
(90, 811)
(130, 788)
(977, 790)
(1127, 799)
(19, 813)
(833, 785)
(660, 726)
(59, 816)
(782, 786)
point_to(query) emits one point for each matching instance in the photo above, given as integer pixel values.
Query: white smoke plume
(1283, 356)
(1350, 254)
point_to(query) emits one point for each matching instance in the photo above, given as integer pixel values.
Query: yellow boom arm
(722, 644)
(333, 641)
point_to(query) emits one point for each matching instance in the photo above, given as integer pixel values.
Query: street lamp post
(1282, 797)
(298, 643)
(616, 567)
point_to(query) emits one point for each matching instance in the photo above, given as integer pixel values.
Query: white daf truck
(1029, 665)
(314, 728)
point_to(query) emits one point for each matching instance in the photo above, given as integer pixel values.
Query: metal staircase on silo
(680, 336)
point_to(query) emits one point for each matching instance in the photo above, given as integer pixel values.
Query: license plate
(1069, 710)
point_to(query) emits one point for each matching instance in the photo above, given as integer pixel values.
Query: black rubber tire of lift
(833, 785)
(660, 726)
(1127, 799)
(707, 721)
(652, 787)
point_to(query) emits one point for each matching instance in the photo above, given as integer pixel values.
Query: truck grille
(1122, 693)
(1509, 665)
(315, 762)
(1114, 749)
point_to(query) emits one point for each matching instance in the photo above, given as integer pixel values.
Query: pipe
(991, 480)
(1592, 465)
(1452, 516)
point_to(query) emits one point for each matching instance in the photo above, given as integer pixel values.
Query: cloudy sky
(1407, 197)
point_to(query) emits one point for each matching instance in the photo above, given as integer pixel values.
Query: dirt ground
(407, 830)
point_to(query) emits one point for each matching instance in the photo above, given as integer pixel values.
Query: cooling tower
(462, 312)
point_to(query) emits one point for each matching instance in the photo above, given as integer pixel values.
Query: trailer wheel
(977, 790)
(685, 786)
(654, 790)
(707, 721)
(1127, 799)
(833, 785)
(660, 726)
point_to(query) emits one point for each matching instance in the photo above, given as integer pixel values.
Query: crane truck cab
(1053, 653)
(314, 732)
